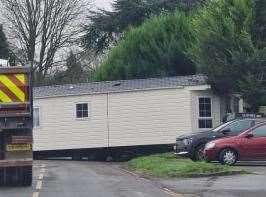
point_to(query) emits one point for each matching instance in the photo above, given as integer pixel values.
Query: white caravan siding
(59, 128)
(146, 117)
(149, 117)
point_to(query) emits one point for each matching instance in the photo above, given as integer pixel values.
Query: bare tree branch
(42, 27)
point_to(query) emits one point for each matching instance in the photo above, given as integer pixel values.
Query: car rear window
(260, 131)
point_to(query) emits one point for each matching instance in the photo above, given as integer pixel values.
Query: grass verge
(167, 165)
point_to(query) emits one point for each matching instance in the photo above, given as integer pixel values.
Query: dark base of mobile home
(104, 154)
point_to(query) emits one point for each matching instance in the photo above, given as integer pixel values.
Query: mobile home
(76, 118)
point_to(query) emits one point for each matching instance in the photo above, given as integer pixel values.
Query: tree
(42, 27)
(227, 51)
(3, 44)
(74, 73)
(255, 83)
(155, 49)
(259, 25)
(105, 28)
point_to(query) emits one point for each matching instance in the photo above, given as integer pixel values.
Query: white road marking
(39, 181)
(165, 190)
(129, 172)
(171, 193)
(144, 179)
(39, 185)
(43, 166)
(41, 176)
(35, 194)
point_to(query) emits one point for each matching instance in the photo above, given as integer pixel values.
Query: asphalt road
(248, 185)
(82, 179)
(94, 179)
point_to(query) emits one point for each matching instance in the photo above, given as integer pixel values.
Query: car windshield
(222, 126)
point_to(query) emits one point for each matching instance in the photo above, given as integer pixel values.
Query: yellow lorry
(15, 126)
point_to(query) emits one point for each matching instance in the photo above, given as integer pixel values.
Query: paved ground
(82, 179)
(250, 185)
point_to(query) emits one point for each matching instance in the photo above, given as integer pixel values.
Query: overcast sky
(103, 4)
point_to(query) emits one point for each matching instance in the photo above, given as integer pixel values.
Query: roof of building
(118, 86)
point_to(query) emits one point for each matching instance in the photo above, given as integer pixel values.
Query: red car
(249, 145)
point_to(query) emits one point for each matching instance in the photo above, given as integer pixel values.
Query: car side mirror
(249, 135)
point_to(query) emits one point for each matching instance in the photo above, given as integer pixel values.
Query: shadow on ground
(251, 163)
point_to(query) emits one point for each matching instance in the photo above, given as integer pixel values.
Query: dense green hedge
(156, 48)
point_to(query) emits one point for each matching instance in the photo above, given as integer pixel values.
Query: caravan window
(82, 110)
(205, 113)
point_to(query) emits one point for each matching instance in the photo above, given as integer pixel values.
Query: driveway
(247, 185)
(95, 179)
(84, 179)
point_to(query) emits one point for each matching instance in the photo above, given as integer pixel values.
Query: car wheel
(198, 153)
(228, 157)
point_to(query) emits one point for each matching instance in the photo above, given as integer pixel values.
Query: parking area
(246, 185)
(80, 179)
